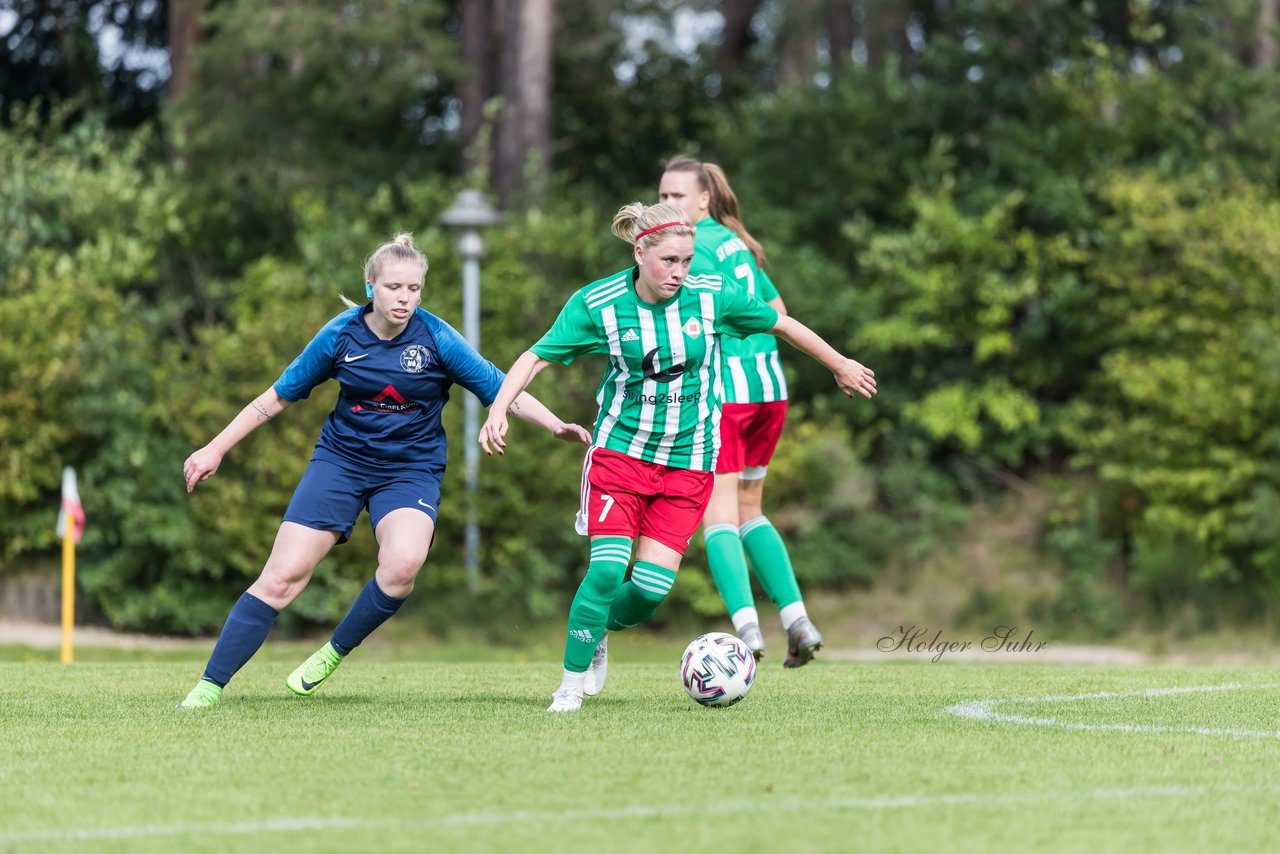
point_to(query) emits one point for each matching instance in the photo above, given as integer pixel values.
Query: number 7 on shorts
(608, 505)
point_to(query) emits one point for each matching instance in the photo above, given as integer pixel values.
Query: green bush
(1180, 418)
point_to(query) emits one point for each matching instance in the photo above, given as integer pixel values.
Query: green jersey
(660, 396)
(752, 368)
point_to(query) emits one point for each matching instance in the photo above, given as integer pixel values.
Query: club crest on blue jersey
(415, 358)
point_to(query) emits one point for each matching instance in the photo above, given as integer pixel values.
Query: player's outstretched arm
(494, 431)
(852, 377)
(203, 463)
(528, 408)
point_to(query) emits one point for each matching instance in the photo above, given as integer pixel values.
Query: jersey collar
(652, 306)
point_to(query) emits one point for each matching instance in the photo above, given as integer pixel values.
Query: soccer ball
(717, 669)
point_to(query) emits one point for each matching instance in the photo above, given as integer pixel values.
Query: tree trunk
(737, 39)
(79, 51)
(185, 35)
(798, 51)
(476, 86)
(884, 28)
(1264, 53)
(839, 14)
(524, 136)
(535, 90)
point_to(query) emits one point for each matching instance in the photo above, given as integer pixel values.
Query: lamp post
(469, 214)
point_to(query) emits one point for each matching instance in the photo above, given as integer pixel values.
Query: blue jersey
(390, 394)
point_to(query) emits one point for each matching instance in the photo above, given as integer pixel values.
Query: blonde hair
(724, 207)
(634, 219)
(398, 248)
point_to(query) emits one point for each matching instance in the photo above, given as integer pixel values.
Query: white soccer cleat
(566, 700)
(593, 683)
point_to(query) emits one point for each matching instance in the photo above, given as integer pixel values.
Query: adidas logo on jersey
(630, 335)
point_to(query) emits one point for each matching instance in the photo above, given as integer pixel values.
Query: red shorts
(626, 497)
(748, 434)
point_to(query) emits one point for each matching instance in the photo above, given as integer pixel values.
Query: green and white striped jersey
(660, 396)
(752, 368)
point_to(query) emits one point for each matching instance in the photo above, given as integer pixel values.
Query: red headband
(656, 228)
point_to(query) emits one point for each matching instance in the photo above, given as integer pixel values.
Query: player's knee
(282, 582)
(398, 571)
(751, 495)
(720, 514)
(750, 505)
(604, 577)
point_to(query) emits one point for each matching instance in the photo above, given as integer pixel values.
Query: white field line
(985, 710)
(888, 802)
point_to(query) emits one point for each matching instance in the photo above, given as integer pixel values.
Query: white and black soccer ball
(717, 669)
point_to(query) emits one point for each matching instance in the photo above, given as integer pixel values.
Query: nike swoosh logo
(354, 358)
(425, 504)
(307, 686)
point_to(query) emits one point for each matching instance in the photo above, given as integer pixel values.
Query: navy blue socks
(251, 619)
(242, 635)
(370, 610)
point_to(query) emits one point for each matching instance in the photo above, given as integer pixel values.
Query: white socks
(572, 680)
(744, 616)
(791, 613)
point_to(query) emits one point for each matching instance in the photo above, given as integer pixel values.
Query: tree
(798, 43)
(327, 93)
(1264, 55)
(53, 51)
(839, 22)
(884, 29)
(185, 35)
(476, 23)
(737, 38)
(524, 136)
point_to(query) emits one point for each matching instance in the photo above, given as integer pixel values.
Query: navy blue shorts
(330, 497)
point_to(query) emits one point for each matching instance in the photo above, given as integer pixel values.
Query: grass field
(461, 756)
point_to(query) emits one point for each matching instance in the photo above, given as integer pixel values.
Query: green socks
(640, 597)
(728, 567)
(590, 609)
(769, 559)
(603, 601)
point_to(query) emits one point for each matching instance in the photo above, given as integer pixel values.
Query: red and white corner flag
(71, 508)
(70, 527)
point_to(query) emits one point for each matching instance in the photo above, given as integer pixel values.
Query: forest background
(1048, 225)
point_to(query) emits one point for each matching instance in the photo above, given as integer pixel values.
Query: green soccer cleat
(311, 674)
(204, 695)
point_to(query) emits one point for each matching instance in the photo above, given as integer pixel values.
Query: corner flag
(71, 508)
(70, 529)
